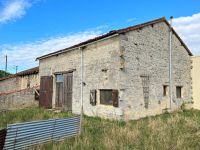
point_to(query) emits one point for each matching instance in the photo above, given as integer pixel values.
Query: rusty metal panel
(68, 83)
(24, 135)
(46, 91)
(2, 138)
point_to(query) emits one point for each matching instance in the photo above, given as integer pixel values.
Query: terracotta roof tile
(23, 73)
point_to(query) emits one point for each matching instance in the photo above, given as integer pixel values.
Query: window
(165, 87)
(109, 97)
(106, 97)
(37, 96)
(178, 92)
(59, 78)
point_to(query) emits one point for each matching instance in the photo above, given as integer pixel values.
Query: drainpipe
(81, 117)
(170, 63)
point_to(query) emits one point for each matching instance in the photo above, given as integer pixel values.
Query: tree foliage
(4, 74)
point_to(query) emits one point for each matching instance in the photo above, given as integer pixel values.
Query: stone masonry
(147, 53)
(127, 59)
(18, 91)
(18, 100)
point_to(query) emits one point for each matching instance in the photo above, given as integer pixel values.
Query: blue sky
(30, 28)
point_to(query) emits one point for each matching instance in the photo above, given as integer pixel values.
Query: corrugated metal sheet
(23, 135)
(2, 138)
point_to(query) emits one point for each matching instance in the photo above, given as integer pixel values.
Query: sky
(31, 28)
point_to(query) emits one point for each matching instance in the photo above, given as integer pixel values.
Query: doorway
(64, 85)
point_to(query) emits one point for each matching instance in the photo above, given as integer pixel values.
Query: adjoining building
(20, 90)
(196, 81)
(123, 74)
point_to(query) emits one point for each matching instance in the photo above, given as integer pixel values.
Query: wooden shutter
(46, 91)
(115, 98)
(68, 91)
(93, 97)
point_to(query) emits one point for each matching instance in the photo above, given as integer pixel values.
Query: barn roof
(22, 73)
(29, 71)
(117, 32)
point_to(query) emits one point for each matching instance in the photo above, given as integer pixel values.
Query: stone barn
(123, 74)
(20, 90)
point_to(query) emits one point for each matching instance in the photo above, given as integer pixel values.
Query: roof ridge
(113, 32)
(143, 24)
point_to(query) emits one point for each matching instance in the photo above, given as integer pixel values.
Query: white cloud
(131, 20)
(24, 55)
(189, 29)
(13, 9)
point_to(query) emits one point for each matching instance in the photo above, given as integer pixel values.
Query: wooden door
(59, 94)
(68, 83)
(46, 91)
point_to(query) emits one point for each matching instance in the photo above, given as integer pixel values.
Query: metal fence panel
(23, 135)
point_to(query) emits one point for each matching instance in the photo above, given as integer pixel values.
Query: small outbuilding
(20, 90)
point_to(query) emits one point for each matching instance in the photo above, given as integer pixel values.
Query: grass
(30, 114)
(177, 131)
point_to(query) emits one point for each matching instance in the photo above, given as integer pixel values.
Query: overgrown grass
(177, 131)
(30, 114)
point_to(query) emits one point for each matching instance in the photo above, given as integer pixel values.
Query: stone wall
(9, 84)
(18, 100)
(19, 82)
(137, 53)
(146, 53)
(102, 55)
(29, 80)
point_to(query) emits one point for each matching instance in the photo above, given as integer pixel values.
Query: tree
(4, 74)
